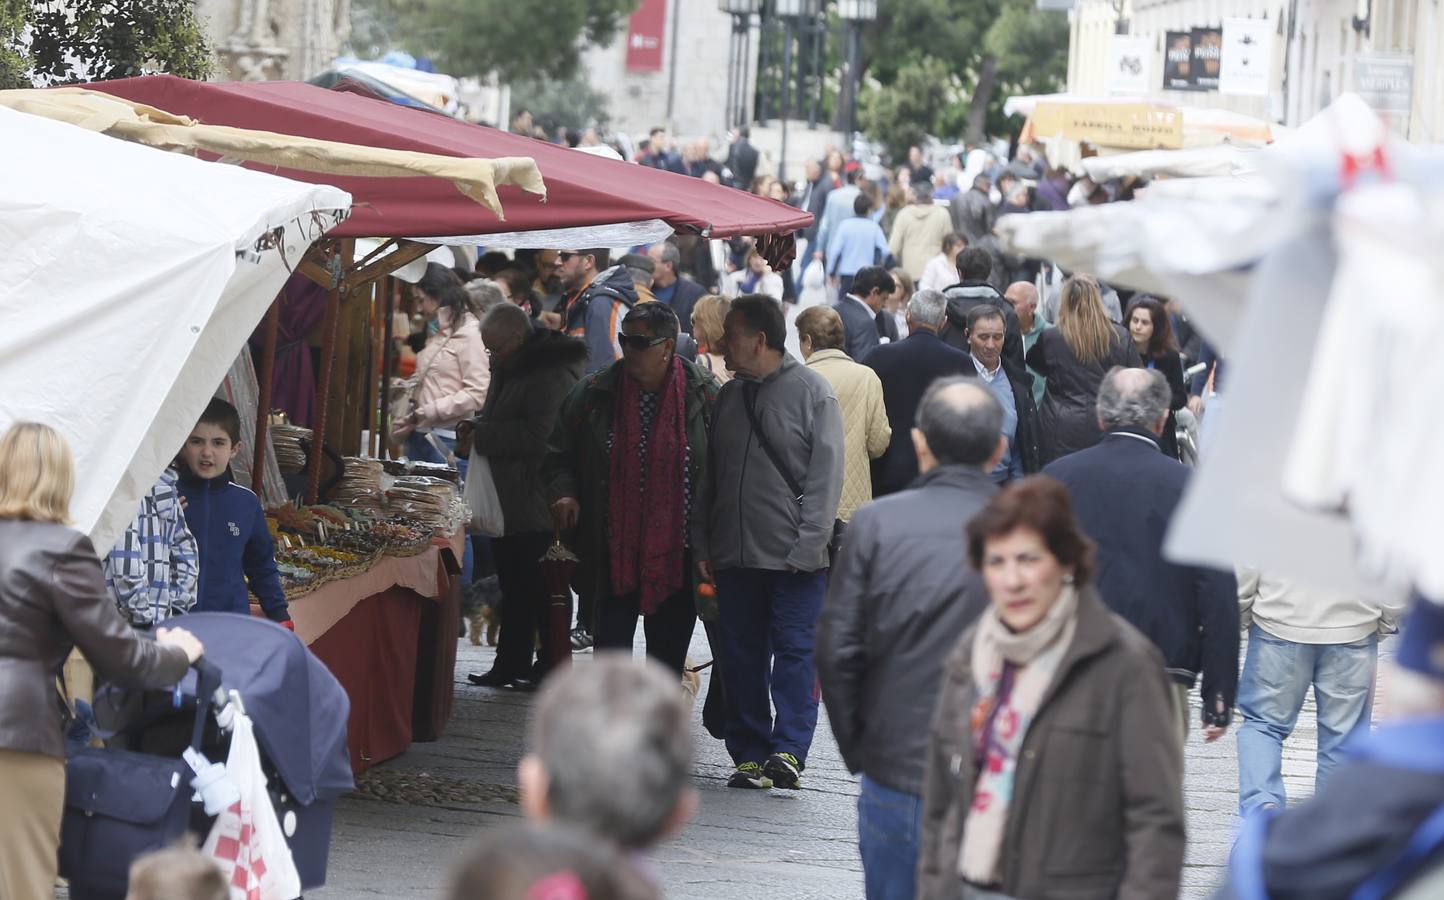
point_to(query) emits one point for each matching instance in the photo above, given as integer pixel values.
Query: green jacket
(578, 464)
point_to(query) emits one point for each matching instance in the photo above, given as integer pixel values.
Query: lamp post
(855, 13)
(790, 11)
(741, 12)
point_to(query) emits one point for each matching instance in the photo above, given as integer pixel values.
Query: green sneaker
(749, 775)
(784, 771)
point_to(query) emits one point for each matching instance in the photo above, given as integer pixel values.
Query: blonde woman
(52, 598)
(707, 318)
(1073, 358)
(865, 428)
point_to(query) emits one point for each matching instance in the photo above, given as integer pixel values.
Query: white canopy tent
(132, 279)
(1312, 476)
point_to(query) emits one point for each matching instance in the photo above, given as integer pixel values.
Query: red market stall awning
(582, 190)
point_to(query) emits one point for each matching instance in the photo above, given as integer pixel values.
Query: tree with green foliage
(560, 103)
(478, 37)
(55, 42)
(941, 67)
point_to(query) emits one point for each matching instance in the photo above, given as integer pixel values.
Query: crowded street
(838, 449)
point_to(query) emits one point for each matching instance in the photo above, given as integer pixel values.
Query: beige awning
(475, 178)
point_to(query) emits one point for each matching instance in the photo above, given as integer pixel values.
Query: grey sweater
(750, 516)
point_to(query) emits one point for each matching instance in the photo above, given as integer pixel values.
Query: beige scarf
(1030, 660)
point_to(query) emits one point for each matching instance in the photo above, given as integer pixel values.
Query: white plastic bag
(246, 838)
(482, 499)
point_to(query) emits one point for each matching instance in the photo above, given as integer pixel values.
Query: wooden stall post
(268, 370)
(328, 363)
(391, 293)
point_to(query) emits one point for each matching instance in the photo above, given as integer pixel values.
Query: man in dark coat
(859, 311)
(1013, 389)
(1376, 827)
(975, 267)
(893, 614)
(1125, 491)
(906, 369)
(973, 213)
(668, 285)
(597, 298)
(532, 370)
(742, 160)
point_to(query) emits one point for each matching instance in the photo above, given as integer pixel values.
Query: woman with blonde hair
(707, 318)
(1073, 358)
(865, 428)
(52, 598)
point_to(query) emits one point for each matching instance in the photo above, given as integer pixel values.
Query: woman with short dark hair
(1152, 333)
(1055, 767)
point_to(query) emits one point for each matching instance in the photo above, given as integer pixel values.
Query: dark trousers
(524, 599)
(844, 285)
(669, 629)
(768, 630)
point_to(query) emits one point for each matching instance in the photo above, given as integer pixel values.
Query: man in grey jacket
(897, 600)
(769, 509)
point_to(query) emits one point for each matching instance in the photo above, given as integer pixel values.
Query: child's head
(177, 873)
(546, 861)
(215, 440)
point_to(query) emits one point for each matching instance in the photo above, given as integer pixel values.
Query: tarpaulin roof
(181, 259)
(325, 159)
(582, 190)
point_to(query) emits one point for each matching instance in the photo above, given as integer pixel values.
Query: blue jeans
(888, 823)
(768, 628)
(419, 449)
(1277, 675)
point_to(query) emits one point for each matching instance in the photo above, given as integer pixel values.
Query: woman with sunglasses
(627, 454)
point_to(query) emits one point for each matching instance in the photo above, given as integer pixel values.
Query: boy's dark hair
(872, 278)
(861, 205)
(224, 416)
(974, 264)
(762, 315)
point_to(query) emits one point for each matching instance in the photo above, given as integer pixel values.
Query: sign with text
(1247, 61)
(1191, 59)
(645, 31)
(1137, 126)
(1128, 68)
(1385, 81)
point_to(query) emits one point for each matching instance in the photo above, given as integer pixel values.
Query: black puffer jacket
(897, 600)
(512, 428)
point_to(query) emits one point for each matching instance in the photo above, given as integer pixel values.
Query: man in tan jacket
(918, 231)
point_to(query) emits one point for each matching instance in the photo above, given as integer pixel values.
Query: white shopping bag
(480, 496)
(246, 838)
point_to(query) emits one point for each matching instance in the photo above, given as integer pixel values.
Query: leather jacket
(53, 597)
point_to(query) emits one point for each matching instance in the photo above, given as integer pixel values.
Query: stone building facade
(264, 40)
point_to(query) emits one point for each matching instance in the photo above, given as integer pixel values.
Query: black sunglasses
(638, 342)
(565, 255)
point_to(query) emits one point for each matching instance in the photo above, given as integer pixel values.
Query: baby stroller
(298, 711)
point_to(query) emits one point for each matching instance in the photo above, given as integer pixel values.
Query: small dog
(691, 681)
(483, 603)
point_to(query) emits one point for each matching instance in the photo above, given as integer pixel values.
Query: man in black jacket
(1125, 491)
(975, 267)
(906, 369)
(897, 600)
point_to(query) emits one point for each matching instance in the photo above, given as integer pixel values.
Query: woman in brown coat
(52, 597)
(1054, 768)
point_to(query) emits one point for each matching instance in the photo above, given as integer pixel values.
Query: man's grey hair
(923, 191)
(485, 295)
(1132, 398)
(615, 740)
(640, 277)
(507, 319)
(672, 254)
(961, 421)
(928, 307)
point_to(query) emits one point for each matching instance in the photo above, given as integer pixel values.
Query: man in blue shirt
(855, 244)
(1014, 392)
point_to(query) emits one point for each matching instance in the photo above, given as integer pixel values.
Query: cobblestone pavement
(743, 844)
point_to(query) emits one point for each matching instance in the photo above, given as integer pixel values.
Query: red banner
(645, 36)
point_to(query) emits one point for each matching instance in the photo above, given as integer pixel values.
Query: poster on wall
(645, 30)
(1129, 64)
(1247, 62)
(1178, 61)
(1207, 55)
